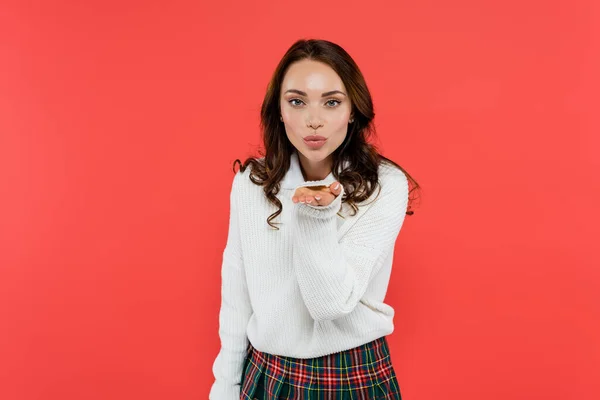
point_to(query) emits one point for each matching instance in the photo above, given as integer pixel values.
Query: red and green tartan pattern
(361, 373)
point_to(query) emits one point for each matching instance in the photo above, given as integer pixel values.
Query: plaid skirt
(361, 373)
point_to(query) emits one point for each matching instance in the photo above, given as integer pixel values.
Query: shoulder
(392, 179)
(241, 180)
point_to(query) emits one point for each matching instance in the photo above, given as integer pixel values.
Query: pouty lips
(314, 138)
(315, 142)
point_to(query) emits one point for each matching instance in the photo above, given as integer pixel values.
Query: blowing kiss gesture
(317, 195)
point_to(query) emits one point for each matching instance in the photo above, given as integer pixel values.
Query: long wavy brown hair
(361, 174)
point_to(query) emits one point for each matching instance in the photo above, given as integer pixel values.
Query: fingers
(335, 188)
(324, 196)
(310, 197)
(316, 199)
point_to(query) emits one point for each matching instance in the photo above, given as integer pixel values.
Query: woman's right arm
(235, 310)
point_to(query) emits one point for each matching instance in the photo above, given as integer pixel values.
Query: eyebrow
(300, 92)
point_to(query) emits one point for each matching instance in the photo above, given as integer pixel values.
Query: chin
(316, 155)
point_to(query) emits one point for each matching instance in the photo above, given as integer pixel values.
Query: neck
(315, 170)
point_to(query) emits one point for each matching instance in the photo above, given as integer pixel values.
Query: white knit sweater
(314, 287)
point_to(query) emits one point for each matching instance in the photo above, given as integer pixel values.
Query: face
(313, 102)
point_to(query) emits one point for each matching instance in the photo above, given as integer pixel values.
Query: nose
(314, 122)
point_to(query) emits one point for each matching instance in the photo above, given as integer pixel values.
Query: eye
(292, 100)
(336, 102)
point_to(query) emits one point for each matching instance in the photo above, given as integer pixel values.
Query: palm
(317, 195)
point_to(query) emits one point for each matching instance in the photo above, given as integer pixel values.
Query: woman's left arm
(333, 276)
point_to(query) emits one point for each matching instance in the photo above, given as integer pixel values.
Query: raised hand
(317, 195)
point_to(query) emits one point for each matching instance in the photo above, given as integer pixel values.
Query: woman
(309, 251)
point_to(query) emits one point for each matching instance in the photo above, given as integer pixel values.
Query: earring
(281, 118)
(352, 120)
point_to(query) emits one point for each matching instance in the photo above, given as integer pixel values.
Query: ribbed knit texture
(314, 287)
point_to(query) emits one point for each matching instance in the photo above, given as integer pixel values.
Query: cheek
(341, 122)
(344, 116)
(341, 128)
(293, 121)
(293, 131)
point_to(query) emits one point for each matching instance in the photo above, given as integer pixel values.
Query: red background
(119, 123)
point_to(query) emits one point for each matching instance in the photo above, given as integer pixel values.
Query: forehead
(311, 76)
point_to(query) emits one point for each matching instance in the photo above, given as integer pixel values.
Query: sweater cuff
(321, 212)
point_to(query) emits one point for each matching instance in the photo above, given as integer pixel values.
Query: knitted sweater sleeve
(333, 276)
(234, 313)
